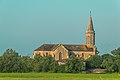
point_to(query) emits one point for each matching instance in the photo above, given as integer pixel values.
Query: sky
(27, 24)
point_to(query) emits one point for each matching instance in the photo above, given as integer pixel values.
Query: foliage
(11, 61)
(116, 55)
(37, 66)
(108, 64)
(61, 68)
(25, 64)
(74, 65)
(111, 62)
(94, 62)
(48, 64)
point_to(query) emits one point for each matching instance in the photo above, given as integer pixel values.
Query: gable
(60, 47)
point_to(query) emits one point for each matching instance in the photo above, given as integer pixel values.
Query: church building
(62, 52)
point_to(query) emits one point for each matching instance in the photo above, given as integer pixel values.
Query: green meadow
(57, 76)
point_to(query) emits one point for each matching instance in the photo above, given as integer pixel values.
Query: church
(62, 52)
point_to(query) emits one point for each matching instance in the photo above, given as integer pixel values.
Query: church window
(43, 55)
(82, 55)
(60, 56)
(46, 53)
(54, 55)
(90, 39)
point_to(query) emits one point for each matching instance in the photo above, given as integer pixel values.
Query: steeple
(90, 24)
(90, 33)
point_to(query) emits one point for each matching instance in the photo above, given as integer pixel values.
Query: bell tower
(90, 33)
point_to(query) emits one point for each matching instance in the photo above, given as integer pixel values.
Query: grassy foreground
(57, 76)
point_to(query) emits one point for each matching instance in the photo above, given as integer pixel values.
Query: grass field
(57, 76)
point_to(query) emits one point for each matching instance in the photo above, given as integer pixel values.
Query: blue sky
(27, 24)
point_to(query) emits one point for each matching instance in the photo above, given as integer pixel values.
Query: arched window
(82, 55)
(91, 40)
(43, 55)
(88, 39)
(54, 55)
(47, 54)
(60, 56)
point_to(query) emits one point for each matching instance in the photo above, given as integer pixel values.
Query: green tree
(116, 54)
(116, 65)
(1, 64)
(25, 64)
(48, 64)
(94, 62)
(61, 68)
(108, 64)
(37, 66)
(45, 64)
(74, 65)
(104, 56)
(9, 61)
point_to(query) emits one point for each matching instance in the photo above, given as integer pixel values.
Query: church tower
(90, 34)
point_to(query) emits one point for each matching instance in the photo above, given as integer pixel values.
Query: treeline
(109, 62)
(11, 61)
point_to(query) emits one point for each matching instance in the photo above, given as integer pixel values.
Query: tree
(9, 61)
(48, 64)
(45, 64)
(104, 56)
(37, 66)
(25, 64)
(116, 65)
(1, 64)
(111, 62)
(61, 68)
(108, 64)
(74, 65)
(94, 62)
(116, 54)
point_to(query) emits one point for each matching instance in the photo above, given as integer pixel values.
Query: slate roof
(69, 47)
(46, 47)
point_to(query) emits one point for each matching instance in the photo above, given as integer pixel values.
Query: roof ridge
(74, 44)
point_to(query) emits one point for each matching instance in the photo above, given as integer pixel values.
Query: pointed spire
(90, 24)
